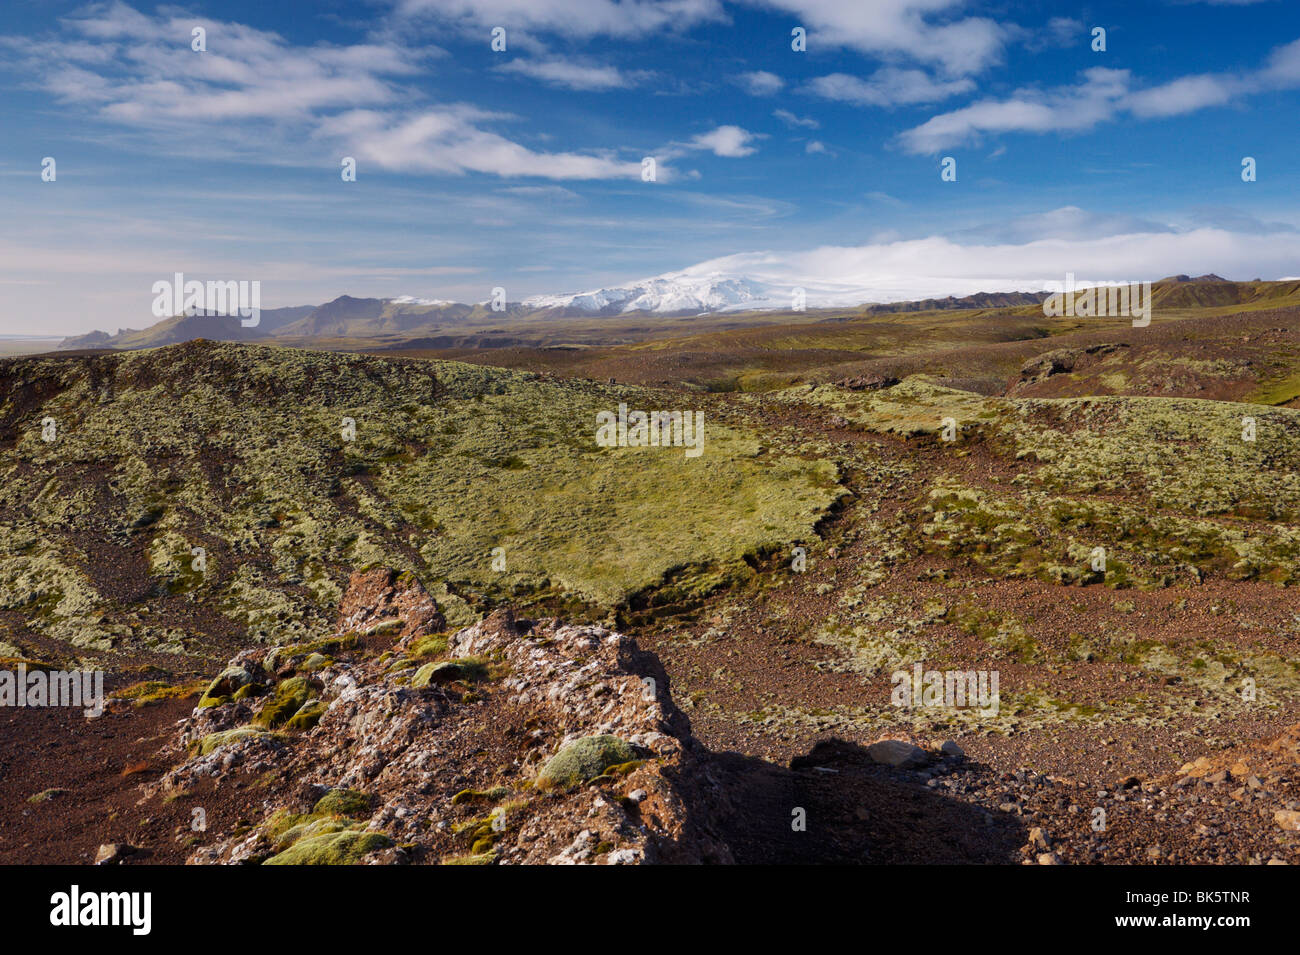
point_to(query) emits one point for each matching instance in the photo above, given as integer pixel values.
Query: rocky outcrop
(1063, 360)
(868, 382)
(510, 741)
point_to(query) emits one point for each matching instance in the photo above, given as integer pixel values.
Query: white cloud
(572, 18)
(887, 87)
(1058, 32)
(815, 146)
(1283, 66)
(1184, 95)
(1068, 109)
(892, 271)
(927, 31)
(574, 75)
(542, 192)
(272, 99)
(1066, 222)
(728, 141)
(760, 83)
(1103, 95)
(449, 140)
(793, 121)
(141, 71)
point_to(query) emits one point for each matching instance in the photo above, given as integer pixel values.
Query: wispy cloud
(450, 140)
(887, 87)
(139, 72)
(1102, 95)
(926, 31)
(760, 83)
(570, 18)
(793, 121)
(574, 74)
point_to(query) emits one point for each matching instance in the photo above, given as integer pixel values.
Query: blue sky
(522, 168)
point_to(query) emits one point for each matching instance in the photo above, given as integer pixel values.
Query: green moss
(46, 795)
(308, 827)
(343, 802)
(434, 645)
(308, 715)
(495, 794)
(1278, 392)
(224, 687)
(469, 669)
(290, 695)
(584, 759)
(215, 740)
(298, 653)
(244, 458)
(148, 692)
(485, 859)
(624, 769)
(347, 847)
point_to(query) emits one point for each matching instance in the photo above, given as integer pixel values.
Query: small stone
(111, 853)
(1287, 819)
(1050, 858)
(637, 795)
(1038, 839)
(950, 748)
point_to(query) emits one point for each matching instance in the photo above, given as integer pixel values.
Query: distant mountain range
(410, 322)
(674, 293)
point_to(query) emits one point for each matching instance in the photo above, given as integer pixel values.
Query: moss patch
(584, 759)
(346, 847)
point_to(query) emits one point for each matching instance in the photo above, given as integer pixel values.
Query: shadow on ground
(855, 811)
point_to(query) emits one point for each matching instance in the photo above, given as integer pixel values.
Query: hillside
(239, 450)
(832, 534)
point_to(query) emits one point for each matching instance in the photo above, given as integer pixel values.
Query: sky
(523, 167)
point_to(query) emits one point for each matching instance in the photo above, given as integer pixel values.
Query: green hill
(239, 450)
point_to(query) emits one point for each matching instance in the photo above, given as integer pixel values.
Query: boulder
(898, 753)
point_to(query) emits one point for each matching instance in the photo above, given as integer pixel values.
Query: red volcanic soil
(99, 764)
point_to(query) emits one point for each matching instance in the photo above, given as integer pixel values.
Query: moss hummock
(584, 759)
(347, 847)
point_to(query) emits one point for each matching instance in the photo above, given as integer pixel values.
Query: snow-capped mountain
(415, 300)
(674, 292)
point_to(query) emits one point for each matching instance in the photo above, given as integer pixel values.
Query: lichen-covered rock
(230, 681)
(584, 759)
(445, 672)
(214, 741)
(476, 769)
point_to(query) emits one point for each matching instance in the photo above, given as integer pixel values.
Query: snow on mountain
(674, 292)
(413, 300)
